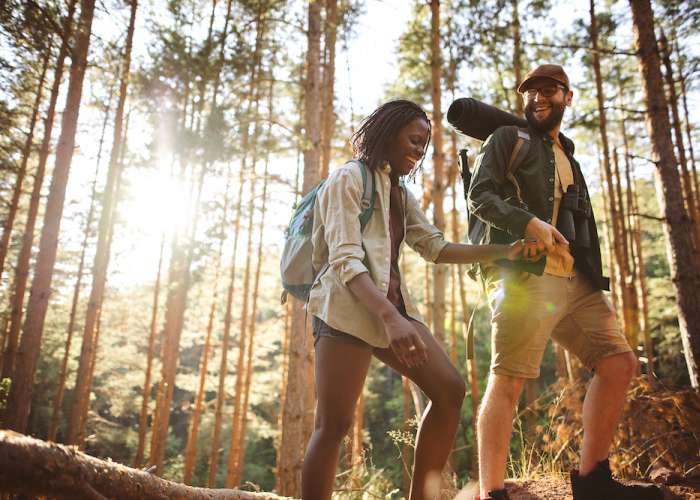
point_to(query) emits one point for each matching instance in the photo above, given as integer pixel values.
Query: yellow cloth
(337, 240)
(560, 262)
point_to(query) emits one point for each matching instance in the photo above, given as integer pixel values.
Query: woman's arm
(403, 337)
(456, 253)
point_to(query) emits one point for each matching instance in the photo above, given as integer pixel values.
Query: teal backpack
(297, 272)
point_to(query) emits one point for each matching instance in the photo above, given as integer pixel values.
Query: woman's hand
(404, 340)
(525, 249)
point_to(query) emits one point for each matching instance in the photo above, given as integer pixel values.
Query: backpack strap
(522, 145)
(369, 195)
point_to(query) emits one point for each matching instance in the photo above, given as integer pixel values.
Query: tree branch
(30, 466)
(583, 47)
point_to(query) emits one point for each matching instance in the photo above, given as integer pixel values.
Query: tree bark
(283, 391)
(298, 411)
(81, 393)
(21, 392)
(616, 218)
(517, 56)
(686, 181)
(688, 134)
(677, 227)
(33, 467)
(22, 171)
(438, 187)
(327, 111)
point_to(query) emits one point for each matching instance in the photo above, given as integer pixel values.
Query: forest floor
(557, 488)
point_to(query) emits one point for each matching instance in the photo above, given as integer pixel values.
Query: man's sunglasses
(546, 91)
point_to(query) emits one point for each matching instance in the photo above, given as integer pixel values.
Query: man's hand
(545, 237)
(404, 340)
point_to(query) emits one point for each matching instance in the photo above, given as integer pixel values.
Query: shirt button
(551, 162)
(549, 220)
(551, 179)
(551, 198)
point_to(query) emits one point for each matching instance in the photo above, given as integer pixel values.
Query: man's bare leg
(602, 408)
(494, 428)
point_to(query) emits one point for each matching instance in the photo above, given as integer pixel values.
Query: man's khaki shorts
(526, 310)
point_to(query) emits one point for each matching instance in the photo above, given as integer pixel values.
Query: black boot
(600, 485)
(496, 495)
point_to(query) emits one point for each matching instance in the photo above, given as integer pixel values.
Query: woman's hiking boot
(495, 495)
(599, 484)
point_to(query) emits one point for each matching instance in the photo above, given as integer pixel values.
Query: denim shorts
(322, 329)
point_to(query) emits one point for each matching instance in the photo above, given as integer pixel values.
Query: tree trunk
(517, 57)
(81, 393)
(327, 111)
(58, 398)
(11, 337)
(21, 391)
(616, 218)
(686, 182)
(298, 411)
(438, 188)
(406, 449)
(192, 436)
(236, 424)
(677, 227)
(22, 171)
(146, 393)
(688, 134)
(283, 391)
(240, 458)
(33, 467)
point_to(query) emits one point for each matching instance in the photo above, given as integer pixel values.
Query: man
(560, 296)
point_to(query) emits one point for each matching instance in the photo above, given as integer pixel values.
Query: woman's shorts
(322, 329)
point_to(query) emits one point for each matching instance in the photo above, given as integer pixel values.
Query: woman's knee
(450, 391)
(334, 429)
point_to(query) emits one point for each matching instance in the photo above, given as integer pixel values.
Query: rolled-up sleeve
(421, 235)
(484, 197)
(340, 206)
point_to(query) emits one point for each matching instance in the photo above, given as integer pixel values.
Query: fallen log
(34, 467)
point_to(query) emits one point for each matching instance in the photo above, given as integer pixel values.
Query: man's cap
(548, 71)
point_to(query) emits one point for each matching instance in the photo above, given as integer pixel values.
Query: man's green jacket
(497, 216)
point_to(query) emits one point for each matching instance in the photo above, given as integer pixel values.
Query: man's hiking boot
(495, 495)
(600, 485)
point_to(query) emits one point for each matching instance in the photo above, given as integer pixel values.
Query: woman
(360, 304)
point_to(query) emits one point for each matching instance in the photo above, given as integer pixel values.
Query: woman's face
(406, 150)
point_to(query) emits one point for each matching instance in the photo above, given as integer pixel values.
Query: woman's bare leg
(341, 368)
(442, 383)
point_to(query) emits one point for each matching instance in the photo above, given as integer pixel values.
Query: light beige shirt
(338, 241)
(560, 262)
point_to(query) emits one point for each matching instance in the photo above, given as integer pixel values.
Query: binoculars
(574, 213)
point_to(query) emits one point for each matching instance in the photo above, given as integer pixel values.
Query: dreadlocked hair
(370, 141)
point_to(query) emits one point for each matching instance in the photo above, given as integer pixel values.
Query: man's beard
(549, 123)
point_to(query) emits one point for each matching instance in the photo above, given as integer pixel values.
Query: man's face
(545, 102)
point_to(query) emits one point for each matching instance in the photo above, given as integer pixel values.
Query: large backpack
(298, 275)
(477, 228)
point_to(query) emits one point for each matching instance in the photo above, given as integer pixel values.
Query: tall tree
(81, 393)
(439, 185)
(150, 354)
(298, 411)
(25, 154)
(25, 252)
(192, 436)
(60, 390)
(28, 354)
(679, 245)
(327, 112)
